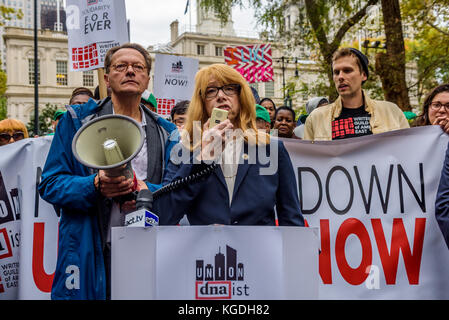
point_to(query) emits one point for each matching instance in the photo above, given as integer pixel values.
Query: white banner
(28, 226)
(214, 262)
(174, 77)
(373, 199)
(94, 27)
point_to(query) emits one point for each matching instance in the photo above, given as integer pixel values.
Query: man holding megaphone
(101, 152)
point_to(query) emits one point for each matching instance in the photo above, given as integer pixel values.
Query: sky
(150, 19)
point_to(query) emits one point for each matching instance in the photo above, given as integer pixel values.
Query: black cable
(184, 181)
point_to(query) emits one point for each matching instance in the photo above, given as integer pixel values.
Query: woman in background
(12, 130)
(284, 122)
(435, 110)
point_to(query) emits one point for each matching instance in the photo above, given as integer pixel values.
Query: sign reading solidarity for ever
(253, 62)
(93, 27)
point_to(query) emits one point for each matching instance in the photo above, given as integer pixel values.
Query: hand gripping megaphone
(109, 143)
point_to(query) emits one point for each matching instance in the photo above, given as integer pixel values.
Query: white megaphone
(109, 143)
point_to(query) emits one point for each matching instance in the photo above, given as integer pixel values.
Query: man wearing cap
(263, 121)
(149, 100)
(353, 114)
(56, 117)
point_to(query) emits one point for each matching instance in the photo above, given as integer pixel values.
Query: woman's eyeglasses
(438, 105)
(229, 90)
(6, 137)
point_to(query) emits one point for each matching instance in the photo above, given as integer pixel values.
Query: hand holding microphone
(214, 139)
(129, 206)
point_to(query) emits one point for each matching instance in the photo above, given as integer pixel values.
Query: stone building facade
(56, 82)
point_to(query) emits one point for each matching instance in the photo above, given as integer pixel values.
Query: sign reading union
(223, 280)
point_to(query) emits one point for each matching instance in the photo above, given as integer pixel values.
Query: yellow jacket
(385, 116)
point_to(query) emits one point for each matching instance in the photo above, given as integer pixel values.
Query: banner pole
(101, 83)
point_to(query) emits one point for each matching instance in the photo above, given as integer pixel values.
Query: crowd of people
(234, 192)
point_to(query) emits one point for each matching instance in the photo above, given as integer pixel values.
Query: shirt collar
(143, 120)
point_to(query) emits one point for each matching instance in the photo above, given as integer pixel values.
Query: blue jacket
(255, 195)
(442, 200)
(70, 185)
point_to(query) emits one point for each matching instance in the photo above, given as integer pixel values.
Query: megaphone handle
(135, 184)
(125, 170)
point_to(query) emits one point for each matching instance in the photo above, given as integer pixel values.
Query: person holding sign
(251, 172)
(87, 198)
(435, 110)
(353, 114)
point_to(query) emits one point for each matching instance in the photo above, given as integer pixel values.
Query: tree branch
(350, 23)
(437, 28)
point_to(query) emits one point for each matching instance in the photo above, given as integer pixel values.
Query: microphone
(142, 217)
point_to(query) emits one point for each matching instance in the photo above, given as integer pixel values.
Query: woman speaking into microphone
(249, 176)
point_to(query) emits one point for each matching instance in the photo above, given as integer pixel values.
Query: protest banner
(253, 62)
(28, 225)
(371, 197)
(174, 80)
(94, 27)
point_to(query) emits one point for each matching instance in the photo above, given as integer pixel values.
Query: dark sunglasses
(18, 135)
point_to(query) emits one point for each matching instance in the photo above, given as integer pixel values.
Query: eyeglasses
(179, 121)
(229, 90)
(5, 137)
(438, 105)
(137, 67)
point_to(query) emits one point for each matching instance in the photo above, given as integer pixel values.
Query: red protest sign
(253, 62)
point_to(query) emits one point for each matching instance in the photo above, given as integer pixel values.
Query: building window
(269, 89)
(61, 73)
(219, 51)
(31, 71)
(88, 78)
(200, 48)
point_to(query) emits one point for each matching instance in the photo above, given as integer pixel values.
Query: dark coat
(255, 196)
(442, 200)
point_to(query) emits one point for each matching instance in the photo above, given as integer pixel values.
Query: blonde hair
(246, 119)
(12, 125)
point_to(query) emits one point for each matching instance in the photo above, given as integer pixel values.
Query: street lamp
(285, 60)
(296, 68)
(288, 99)
(367, 44)
(36, 70)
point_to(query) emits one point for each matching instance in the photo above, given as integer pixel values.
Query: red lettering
(325, 254)
(231, 52)
(399, 241)
(42, 280)
(358, 275)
